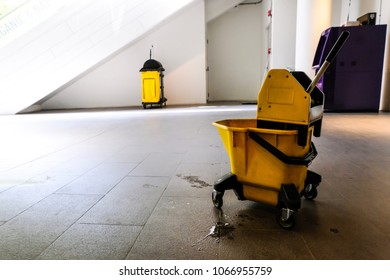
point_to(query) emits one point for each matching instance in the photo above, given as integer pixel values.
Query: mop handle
(328, 60)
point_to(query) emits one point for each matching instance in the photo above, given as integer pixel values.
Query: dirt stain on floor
(195, 181)
(148, 186)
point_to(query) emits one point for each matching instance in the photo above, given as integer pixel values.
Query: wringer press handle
(328, 60)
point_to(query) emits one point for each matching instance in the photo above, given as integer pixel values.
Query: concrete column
(313, 17)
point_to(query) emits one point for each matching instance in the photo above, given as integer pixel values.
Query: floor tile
(177, 229)
(92, 242)
(31, 232)
(337, 229)
(100, 179)
(193, 179)
(137, 184)
(129, 154)
(129, 203)
(253, 244)
(203, 155)
(19, 198)
(158, 164)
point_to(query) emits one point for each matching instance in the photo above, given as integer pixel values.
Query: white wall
(385, 19)
(215, 8)
(235, 54)
(76, 38)
(179, 44)
(313, 17)
(266, 37)
(239, 56)
(349, 11)
(284, 17)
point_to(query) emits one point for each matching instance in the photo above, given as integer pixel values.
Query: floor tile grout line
(307, 246)
(120, 180)
(75, 222)
(154, 208)
(61, 234)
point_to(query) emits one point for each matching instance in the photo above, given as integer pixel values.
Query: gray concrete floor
(136, 184)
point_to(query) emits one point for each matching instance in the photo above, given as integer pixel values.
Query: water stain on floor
(220, 229)
(148, 186)
(195, 181)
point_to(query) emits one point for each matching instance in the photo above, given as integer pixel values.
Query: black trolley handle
(328, 60)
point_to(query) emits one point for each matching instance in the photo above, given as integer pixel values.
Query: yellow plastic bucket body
(283, 99)
(151, 86)
(260, 172)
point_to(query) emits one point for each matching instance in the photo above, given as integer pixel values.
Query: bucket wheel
(285, 217)
(310, 192)
(312, 182)
(216, 196)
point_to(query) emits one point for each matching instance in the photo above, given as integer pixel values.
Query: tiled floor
(136, 184)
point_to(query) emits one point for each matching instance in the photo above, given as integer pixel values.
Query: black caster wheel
(216, 196)
(310, 192)
(285, 218)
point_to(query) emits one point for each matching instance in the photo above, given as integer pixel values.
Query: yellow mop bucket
(267, 166)
(255, 163)
(270, 155)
